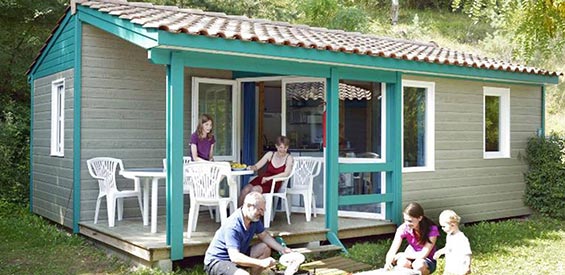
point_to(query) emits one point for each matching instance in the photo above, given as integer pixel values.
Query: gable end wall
(52, 176)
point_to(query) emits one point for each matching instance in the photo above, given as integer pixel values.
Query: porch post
(332, 153)
(394, 148)
(174, 139)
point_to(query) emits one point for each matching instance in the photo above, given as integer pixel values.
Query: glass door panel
(217, 97)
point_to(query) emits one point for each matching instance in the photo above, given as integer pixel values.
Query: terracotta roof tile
(197, 22)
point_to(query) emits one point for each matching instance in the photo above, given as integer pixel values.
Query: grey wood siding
(476, 188)
(52, 176)
(123, 113)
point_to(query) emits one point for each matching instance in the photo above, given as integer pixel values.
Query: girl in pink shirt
(421, 234)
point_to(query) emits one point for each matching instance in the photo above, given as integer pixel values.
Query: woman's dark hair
(200, 130)
(415, 210)
(282, 140)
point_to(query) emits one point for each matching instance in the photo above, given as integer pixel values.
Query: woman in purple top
(202, 140)
(421, 234)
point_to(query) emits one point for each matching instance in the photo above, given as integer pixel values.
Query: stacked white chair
(104, 170)
(204, 181)
(302, 182)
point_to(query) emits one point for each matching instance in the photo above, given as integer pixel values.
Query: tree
(535, 26)
(24, 27)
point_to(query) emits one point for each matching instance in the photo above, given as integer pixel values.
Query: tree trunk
(394, 12)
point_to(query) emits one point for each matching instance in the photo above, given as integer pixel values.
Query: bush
(545, 178)
(14, 153)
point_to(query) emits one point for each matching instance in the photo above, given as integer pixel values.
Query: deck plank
(337, 265)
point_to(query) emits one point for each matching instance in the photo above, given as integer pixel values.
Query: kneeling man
(230, 249)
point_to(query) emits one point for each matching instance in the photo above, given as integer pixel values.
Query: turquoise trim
(77, 124)
(366, 75)
(159, 56)
(174, 133)
(31, 122)
(58, 55)
(333, 239)
(332, 136)
(364, 167)
(240, 63)
(365, 199)
(119, 27)
(265, 50)
(408, 76)
(394, 149)
(542, 111)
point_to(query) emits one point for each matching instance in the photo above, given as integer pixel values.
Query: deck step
(321, 248)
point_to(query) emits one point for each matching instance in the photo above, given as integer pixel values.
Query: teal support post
(174, 138)
(394, 149)
(332, 137)
(31, 120)
(542, 127)
(77, 96)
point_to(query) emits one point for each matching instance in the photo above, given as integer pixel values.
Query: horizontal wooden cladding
(415, 184)
(123, 112)
(52, 176)
(132, 103)
(463, 180)
(57, 213)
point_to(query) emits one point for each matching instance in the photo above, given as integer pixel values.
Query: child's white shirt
(457, 247)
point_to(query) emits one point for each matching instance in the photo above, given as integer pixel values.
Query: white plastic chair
(302, 182)
(203, 179)
(185, 186)
(185, 160)
(104, 170)
(271, 198)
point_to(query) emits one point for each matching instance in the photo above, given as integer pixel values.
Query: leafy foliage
(545, 179)
(24, 26)
(536, 27)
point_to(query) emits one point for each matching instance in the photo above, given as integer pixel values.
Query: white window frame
(504, 120)
(430, 125)
(236, 111)
(58, 118)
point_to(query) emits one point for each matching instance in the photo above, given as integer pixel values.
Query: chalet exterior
(403, 121)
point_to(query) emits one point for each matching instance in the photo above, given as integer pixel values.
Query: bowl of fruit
(236, 166)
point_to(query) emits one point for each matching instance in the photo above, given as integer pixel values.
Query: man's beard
(255, 218)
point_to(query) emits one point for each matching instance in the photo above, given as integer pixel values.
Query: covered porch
(149, 248)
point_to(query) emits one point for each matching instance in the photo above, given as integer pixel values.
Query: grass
(32, 245)
(532, 246)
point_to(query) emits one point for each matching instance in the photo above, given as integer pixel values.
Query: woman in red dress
(279, 164)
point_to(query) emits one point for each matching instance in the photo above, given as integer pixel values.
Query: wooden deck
(129, 236)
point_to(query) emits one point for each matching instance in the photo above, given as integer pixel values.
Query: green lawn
(31, 245)
(532, 246)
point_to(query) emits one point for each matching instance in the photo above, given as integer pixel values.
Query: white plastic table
(153, 175)
(147, 174)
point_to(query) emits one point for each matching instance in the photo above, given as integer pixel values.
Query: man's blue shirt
(232, 235)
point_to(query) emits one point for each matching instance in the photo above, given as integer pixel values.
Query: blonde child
(457, 249)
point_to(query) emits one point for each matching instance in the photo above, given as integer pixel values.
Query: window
(496, 119)
(58, 117)
(418, 147)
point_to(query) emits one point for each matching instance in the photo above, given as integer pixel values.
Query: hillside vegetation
(527, 32)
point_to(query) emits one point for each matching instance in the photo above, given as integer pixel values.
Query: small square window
(496, 121)
(58, 117)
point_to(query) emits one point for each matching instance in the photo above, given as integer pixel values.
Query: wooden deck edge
(376, 230)
(122, 245)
